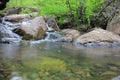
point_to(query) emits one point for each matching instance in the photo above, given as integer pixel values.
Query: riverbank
(32, 26)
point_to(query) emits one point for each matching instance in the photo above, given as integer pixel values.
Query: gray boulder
(98, 37)
(69, 35)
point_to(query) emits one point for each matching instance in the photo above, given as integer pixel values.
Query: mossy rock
(113, 68)
(109, 73)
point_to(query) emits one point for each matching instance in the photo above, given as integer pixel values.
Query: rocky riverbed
(59, 61)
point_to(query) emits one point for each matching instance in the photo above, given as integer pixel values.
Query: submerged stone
(113, 68)
(16, 78)
(109, 73)
(116, 78)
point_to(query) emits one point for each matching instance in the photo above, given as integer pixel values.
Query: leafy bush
(74, 9)
(90, 6)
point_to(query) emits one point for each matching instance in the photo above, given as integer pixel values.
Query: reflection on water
(58, 61)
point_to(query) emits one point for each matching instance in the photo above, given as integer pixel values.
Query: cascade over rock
(51, 23)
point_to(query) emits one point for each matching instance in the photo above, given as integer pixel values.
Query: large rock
(21, 17)
(70, 35)
(34, 29)
(98, 37)
(114, 25)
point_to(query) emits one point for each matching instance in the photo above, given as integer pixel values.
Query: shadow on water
(58, 61)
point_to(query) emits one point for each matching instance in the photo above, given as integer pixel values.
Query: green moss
(27, 36)
(52, 64)
(47, 64)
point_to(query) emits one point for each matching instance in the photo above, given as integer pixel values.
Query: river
(57, 61)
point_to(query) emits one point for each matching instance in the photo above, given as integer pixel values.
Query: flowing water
(58, 61)
(6, 34)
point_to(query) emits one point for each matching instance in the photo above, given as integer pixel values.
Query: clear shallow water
(58, 61)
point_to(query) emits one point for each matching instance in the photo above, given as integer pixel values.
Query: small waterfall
(50, 36)
(10, 25)
(6, 34)
(50, 29)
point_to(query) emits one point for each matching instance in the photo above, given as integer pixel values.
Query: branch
(109, 3)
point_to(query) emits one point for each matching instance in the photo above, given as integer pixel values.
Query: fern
(90, 6)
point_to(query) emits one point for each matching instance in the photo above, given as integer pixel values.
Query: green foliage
(90, 6)
(23, 3)
(52, 6)
(44, 7)
(74, 9)
(26, 11)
